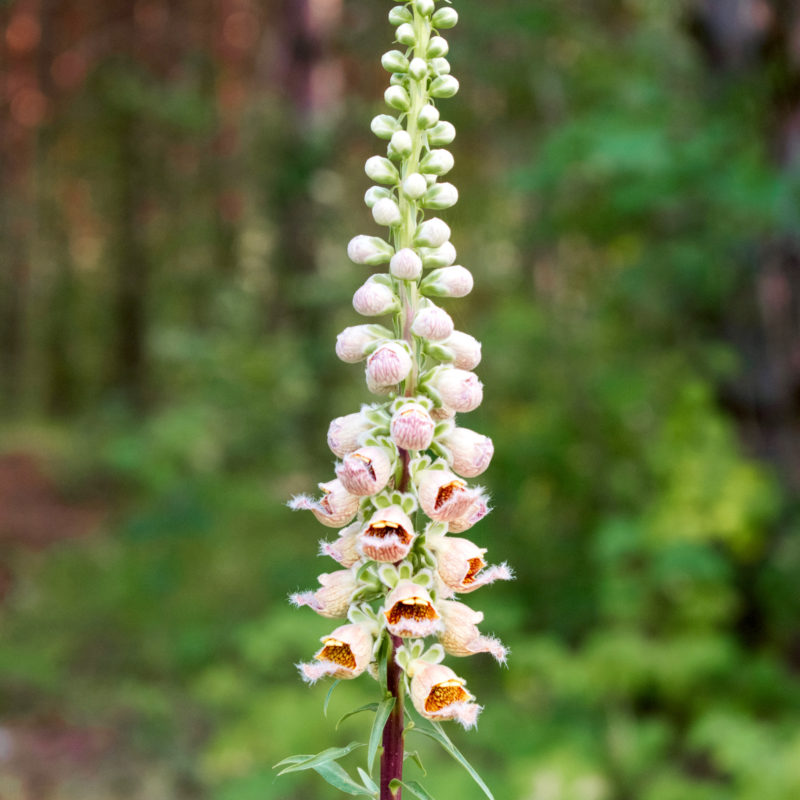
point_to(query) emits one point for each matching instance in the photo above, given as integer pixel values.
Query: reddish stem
(392, 758)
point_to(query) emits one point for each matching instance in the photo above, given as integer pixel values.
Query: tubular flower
(465, 348)
(442, 495)
(475, 513)
(471, 452)
(337, 506)
(332, 599)
(344, 550)
(345, 653)
(353, 342)
(461, 636)
(439, 694)
(459, 389)
(412, 427)
(365, 471)
(461, 565)
(409, 611)
(388, 536)
(433, 323)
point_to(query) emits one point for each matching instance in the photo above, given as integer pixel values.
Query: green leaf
(367, 707)
(414, 756)
(368, 782)
(436, 733)
(328, 697)
(415, 788)
(381, 715)
(336, 776)
(312, 762)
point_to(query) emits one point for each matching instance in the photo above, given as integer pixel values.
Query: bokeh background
(178, 181)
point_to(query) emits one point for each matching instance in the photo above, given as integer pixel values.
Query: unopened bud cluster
(400, 496)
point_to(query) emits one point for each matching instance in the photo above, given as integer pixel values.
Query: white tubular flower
(461, 565)
(406, 265)
(369, 250)
(459, 389)
(432, 323)
(352, 343)
(414, 186)
(389, 364)
(443, 496)
(345, 653)
(433, 232)
(388, 536)
(386, 212)
(455, 281)
(471, 452)
(466, 348)
(439, 694)
(336, 508)
(344, 433)
(438, 162)
(412, 427)
(373, 299)
(332, 599)
(409, 611)
(461, 636)
(365, 471)
(344, 550)
(474, 514)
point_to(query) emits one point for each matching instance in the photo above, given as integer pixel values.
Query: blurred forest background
(178, 182)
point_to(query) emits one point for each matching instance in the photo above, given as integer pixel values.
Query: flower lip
(338, 652)
(446, 693)
(447, 491)
(475, 566)
(409, 611)
(383, 529)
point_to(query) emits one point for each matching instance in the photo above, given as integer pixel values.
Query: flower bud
(441, 134)
(441, 256)
(344, 433)
(337, 506)
(405, 34)
(345, 548)
(384, 126)
(418, 69)
(373, 299)
(428, 116)
(457, 388)
(386, 212)
(381, 170)
(455, 281)
(439, 694)
(353, 342)
(442, 195)
(333, 598)
(415, 185)
(388, 536)
(437, 162)
(461, 564)
(461, 636)
(432, 233)
(471, 452)
(345, 654)
(394, 61)
(445, 18)
(466, 348)
(369, 250)
(442, 495)
(432, 323)
(401, 143)
(365, 471)
(437, 47)
(389, 364)
(375, 193)
(400, 14)
(406, 265)
(440, 66)
(444, 86)
(412, 427)
(425, 7)
(409, 611)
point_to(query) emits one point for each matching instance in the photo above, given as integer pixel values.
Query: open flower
(442, 495)
(412, 427)
(345, 653)
(471, 452)
(335, 508)
(365, 471)
(461, 564)
(345, 548)
(461, 636)
(332, 599)
(388, 536)
(477, 510)
(439, 694)
(410, 612)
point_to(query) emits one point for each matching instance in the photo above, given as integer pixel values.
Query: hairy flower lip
(443, 496)
(345, 653)
(409, 611)
(439, 694)
(388, 536)
(335, 508)
(365, 471)
(461, 636)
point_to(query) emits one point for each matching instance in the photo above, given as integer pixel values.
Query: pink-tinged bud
(406, 265)
(409, 611)
(474, 514)
(332, 599)
(432, 233)
(442, 495)
(466, 348)
(386, 211)
(438, 257)
(432, 323)
(412, 427)
(373, 299)
(336, 508)
(461, 565)
(449, 281)
(471, 451)
(344, 433)
(389, 364)
(461, 636)
(388, 536)
(458, 389)
(353, 342)
(366, 471)
(369, 250)
(439, 694)
(345, 653)
(345, 548)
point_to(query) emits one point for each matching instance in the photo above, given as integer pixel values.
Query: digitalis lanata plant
(400, 497)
